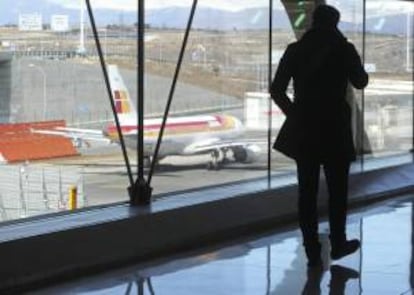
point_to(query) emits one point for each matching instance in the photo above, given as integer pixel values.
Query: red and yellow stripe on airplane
(178, 126)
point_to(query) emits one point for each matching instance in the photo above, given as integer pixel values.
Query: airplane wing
(80, 130)
(77, 135)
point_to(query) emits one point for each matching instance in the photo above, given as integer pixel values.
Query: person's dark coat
(319, 119)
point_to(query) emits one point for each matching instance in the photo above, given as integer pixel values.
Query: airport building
(136, 150)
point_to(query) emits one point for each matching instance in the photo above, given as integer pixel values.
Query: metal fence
(27, 190)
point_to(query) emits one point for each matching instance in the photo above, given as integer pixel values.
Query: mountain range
(176, 17)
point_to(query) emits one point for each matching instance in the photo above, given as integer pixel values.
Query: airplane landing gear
(214, 164)
(240, 155)
(225, 160)
(218, 158)
(147, 162)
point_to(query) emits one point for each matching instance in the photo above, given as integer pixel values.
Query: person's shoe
(339, 276)
(343, 273)
(313, 280)
(348, 247)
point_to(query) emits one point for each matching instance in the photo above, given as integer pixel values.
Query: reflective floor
(275, 264)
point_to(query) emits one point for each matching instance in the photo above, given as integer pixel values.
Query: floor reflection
(412, 247)
(276, 264)
(339, 277)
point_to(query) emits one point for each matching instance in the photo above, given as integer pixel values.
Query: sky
(233, 5)
(375, 7)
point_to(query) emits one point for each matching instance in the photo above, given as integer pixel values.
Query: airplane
(184, 135)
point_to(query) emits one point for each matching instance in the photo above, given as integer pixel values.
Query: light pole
(105, 49)
(408, 40)
(43, 73)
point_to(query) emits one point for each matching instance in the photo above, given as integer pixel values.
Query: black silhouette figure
(339, 277)
(317, 131)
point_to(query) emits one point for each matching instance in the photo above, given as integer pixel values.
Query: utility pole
(81, 48)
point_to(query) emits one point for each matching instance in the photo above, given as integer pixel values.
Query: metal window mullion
(269, 79)
(364, 25)
(140, 88)
(172, 89)
(412, 83)
(109, 90)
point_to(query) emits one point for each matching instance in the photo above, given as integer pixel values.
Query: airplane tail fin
(123, 103)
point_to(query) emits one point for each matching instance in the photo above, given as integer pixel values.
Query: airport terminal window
(352, 26)
(57, 130)
(298, 15)
(389, 96)
(288, 22)
(225, 58)
(54, 108)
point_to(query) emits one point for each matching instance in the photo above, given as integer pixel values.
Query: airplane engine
(246, 154)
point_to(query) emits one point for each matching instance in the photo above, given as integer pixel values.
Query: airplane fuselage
(180, 133)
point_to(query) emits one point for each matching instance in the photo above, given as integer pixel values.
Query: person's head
(325, 16)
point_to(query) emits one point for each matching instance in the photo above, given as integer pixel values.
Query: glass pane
(351, 25)
(289, 22)
(206, 140)
(57, 126)
(54, 107)
(388, 97)
(297, 20)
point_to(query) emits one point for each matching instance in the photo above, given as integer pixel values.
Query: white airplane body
(184, 135)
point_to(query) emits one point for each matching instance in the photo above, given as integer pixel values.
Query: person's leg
(337, 174)
(308, 179)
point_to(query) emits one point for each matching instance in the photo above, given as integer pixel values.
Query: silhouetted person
(317, 131)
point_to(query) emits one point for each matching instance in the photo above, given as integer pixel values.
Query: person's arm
(357, 74)
(281, 82)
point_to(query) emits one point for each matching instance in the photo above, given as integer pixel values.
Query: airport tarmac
(34, 188)
(100, 174)
(106, 179)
